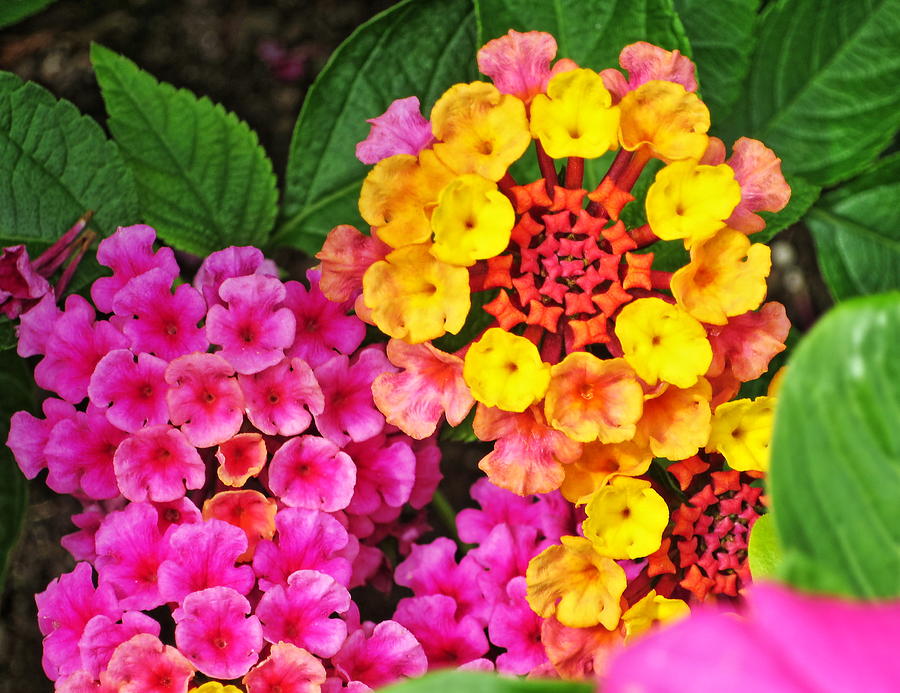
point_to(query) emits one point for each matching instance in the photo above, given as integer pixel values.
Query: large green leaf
(203, 180)
(857, 232)
(722, 37)
(823, 89)
(835, 476)
(57, 164)
(476, 682)
(590, 32)
(413, 49)
(764, 549)
(12, 11)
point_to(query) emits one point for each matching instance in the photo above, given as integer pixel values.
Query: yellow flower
(575, 117)
(741, 431)
(576, 584)
(215, 687)
(398, 195)
(415, 297)
(676, 423)
(650, 611)
(726, 277)
(626, 518)
(505, 371)
(593, 399)
(690, 201)
(662, 342)
(665, 117)
(600, 462)
(480, 130)
(472, 221)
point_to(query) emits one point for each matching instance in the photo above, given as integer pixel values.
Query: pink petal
(102, 635)
(376, 659)
(748, 342)
(385, 473)
(288, 668)
(519, 63)
(312, 472)
(428, 471)
(143, 664)
(240, 458)
(517, 628)
(231, 262)
(281, 399)
(158, 463)
(645, 62)
(28, 435)
(345, 257)
(401, 129)
(133, 391)
(447, 638)
(36, 326)
(763, 187)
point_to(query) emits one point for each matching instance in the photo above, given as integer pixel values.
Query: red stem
(547, 166)
(643, 235)
(633, 170)
(660, 279)
(574, 172)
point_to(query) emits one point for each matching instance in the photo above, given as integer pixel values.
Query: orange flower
(665, 117)
(676, 423)
(601, 462)
(250, 510)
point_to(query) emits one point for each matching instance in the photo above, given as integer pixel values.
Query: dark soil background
(257, 59)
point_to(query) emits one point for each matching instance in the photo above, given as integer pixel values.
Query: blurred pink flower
(448, 638)
(380, 655)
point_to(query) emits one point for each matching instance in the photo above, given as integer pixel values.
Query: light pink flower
(213, 630)
(143, 664)
(133, 391)
(312, 472)
(158, 463)
(385, 473)
(401, 129)
(240, 458)
(28, 435)
(102, 635)
(281, 399)
(519, 63)
(447, 638)
(253, 331)
(645, 62)
(299, 613)
(204, 399)
(345, 256)
(236, 261)
(129, 253)
(380, 656)
(159, 322)
(517, 628)
(203, 555)
(82, 682)
(763, 187)
(287, 668)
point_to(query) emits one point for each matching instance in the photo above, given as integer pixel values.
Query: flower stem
(574, 172)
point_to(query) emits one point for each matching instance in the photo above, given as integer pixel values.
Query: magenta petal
(280, 398)
(204, 399)
(377, 659)
(300, 613)
(253, 331)
(102, 635)
(385, 473)
(28, 435)
(20, 285)
(504, 554)
(143, 664)
(36, 326)
(231, 262)
(288, 668)
(216, 634)
(498, 506)
(401, 129)
(312, 472)
(135, 392)
(448, 640)
(158, 463)
(81, 543)
(428, 471)
(517, 628)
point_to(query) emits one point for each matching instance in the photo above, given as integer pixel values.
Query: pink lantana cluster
(235, 473)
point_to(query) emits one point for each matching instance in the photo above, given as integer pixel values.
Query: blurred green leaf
(722, 36)
(12, 11)
(203, 180)
(835, 473)
(477, 682)
(590, 32)
(823, 89)
(764, 551)
(857, 232)
(412, 49)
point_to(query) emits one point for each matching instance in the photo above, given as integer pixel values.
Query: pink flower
(134, 392)
(763, 188)
(73, 350)
(253, 331)
(81, 543)
(203, 555)
(380, 656)
(280, 399)
(159, 322)
(305, 540)
(498, 506)
(130, 549)
(102, 635)
(204, 399)
(447, 638)
(28, 435)
(180, 511)
(323, 327)
(216, 635)
(312, 472)
(19, 282)
(36, 327)
(786, 641)
(143, 664)
(345, 256)
(157, 463)
(646, 62)
(299, 613)
(385, 473)
(64, 609)
(288, 668)
(517, 628)
(80, 453)
(519, 64)
(82, 682)
(401, 129)
(428, 471)
(240, 458)
(504, 554)
(225, 264)
(129, 253)
(349, 411)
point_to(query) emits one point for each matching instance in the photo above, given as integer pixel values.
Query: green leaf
(412, 49)
(857, 233)
(823, 89)
(764, 550)
(590, 32)
(835, 473)
(204, 182)
(13, 11)
(722, 37)
(57, 164)
(477, 682)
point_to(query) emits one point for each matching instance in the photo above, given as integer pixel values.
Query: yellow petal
(505, 371)
(626, 519)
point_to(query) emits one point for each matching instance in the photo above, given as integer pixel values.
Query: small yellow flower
(741, 431)
(215, 687)
(652, 610)
(665, 117)
(662, 342)
(505, 371)
(472, 221)
(575, 117)
(626, 518)
(690, 201)
(576, 584)
(480, 130)
(415, 297)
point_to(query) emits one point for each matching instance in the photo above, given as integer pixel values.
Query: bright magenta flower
(157, 463)
(312, 472)
(282, 399)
